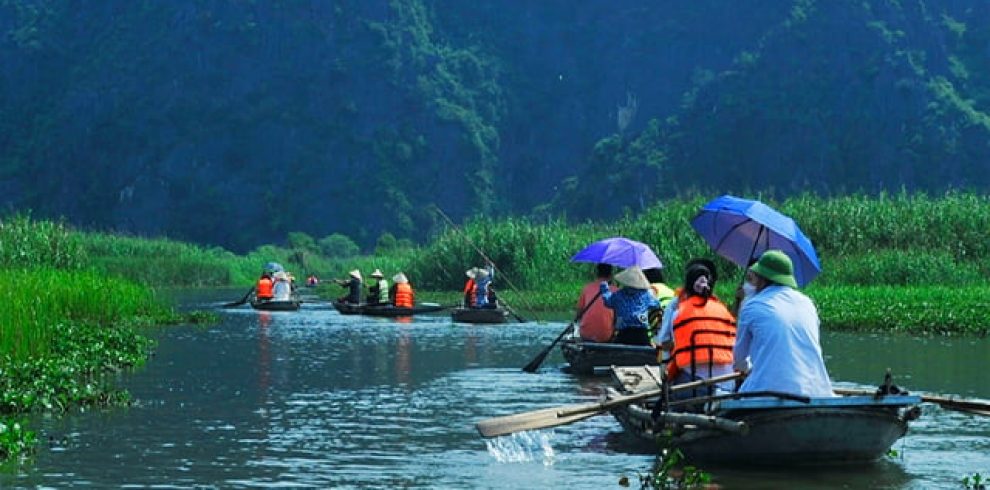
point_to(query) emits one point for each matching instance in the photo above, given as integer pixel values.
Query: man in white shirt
(777, 337)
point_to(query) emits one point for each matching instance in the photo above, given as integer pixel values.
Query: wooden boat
(384, 310)
(480, 315)
(583, 357)
(770, 428)
(272, 305)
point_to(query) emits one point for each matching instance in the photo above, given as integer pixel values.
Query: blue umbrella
(274, 267)
(619, 251)
(741, 229)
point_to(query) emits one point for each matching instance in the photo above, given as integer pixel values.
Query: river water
(315, 399)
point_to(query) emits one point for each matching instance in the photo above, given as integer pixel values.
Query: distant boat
(768, 429)
(583, 356)
(272, 305)
(384, 310)
(480, 315)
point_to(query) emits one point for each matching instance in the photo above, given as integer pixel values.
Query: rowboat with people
(583, 356)
(385, 310)
(275, 305)
(765, 428)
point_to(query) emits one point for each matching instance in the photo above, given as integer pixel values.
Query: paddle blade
(240, 301)
(974, 407)
(535, 363)
(537, 419)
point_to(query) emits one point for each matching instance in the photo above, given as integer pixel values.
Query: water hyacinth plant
(64, 325)
(15, 438)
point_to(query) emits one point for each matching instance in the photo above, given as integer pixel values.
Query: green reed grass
(899, 244)
(39, 299)
(26, 243)
(906, 239)
(917, 309)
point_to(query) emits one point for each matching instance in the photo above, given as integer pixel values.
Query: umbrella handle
(742, 280)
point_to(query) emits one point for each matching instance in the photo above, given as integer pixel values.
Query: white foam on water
(523, 447)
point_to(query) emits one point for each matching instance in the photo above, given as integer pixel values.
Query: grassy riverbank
(63, 326)
(892, 263)
(904, 262)
(901, 262)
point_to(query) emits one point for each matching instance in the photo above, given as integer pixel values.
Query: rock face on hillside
(234, 123)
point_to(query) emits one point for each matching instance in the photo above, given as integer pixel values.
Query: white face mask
(748, 290)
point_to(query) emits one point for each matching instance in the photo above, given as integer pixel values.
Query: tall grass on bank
(938, 309)
(37, 300)
(905, 239)
(164, 262)
(27, 243)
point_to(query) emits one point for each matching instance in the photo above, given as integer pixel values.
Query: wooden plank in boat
(635, 379)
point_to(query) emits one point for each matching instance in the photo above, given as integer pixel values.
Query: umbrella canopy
(741, 229)
(619, 251)
(273, 267)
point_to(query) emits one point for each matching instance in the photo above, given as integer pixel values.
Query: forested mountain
(235, 122)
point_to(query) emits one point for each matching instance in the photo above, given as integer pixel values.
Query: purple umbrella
(619, 251)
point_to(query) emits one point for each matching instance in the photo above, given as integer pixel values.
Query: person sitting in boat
(282, 290)
(661, 292)
(469, 287)
(632, 304)
(597, 322)
(483, 288)
(402, 295)
(378, 290)
(312, 280)
(699, 330)
(353, 285)
(263, 289)
(777, 343)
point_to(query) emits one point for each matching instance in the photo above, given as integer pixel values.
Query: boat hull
(480, 315)
(800, 436)
(814, 431)
(288, 305)
(583, 357)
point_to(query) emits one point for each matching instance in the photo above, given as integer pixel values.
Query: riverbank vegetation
(893, 262)
(64, 325)
(898, 263)
(907, 262)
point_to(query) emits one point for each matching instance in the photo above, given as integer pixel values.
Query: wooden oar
(974, 407)
(240, 301)
(535, 363)
(487, 259)
(553, 417)
(511, 311)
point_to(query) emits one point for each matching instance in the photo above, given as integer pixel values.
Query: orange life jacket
(470, 292)
(715, 343)
(264, 289)
(404, 295)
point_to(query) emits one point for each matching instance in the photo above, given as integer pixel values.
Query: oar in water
(974, 407)
(512, 312)
(487, 259)
(553, 417)
(240, 301)
(535, 363)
